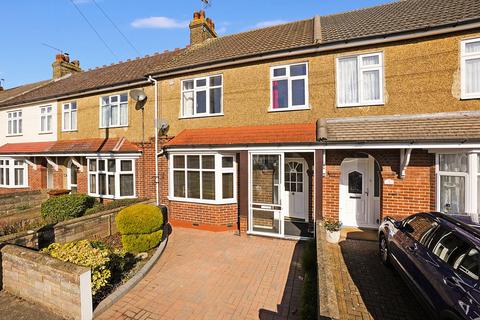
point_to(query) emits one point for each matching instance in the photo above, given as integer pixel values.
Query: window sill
(69, 130)
(14, 135)
(110, 197)
(472, 97)
(45, 133)
(203, 116)
(289, 109)
(366, 104)
(13, 187)
(201, 201)
(114, 127)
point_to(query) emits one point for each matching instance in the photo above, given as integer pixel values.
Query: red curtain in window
(275, 94)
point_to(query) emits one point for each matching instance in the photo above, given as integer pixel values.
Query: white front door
(296, 188)
(355, 208)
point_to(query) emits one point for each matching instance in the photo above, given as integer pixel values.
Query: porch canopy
(69, 147)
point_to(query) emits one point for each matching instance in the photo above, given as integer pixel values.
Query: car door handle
(449, 282)
(412, 248)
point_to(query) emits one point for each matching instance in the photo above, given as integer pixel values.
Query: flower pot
(333, 236)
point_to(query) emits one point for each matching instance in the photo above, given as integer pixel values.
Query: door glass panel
(355, 182)
(266, 221)
(265, 179)
(452, 194)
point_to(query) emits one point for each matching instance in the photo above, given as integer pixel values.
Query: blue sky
(151, 25)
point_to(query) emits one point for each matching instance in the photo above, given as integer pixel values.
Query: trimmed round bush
(139, 219)
(141, 242)
(66, 207)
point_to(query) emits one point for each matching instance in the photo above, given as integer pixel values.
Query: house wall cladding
(60, 286)
(413, 193)
(421, 76)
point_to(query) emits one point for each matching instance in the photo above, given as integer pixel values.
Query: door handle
(449, 281)
(412, 248)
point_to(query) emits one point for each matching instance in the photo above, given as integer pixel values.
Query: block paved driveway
(207, 275)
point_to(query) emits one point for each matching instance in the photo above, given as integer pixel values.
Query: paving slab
(13, 308)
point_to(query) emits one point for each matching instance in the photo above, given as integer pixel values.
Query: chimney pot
(196, 15)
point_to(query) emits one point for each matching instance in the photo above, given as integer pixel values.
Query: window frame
(109, 105)
(207, 89)
(70, 112)
(360, 70)
(18, 118)
(46, 116)
(218, 170)
(11, 173)
(116, 175)
(290, 79)
(463, 60)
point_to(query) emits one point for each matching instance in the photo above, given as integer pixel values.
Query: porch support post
(243, 191)
(318, 184)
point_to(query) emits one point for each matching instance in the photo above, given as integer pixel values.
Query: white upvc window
(13, 173)
(69, 116)
(46, 119)
(203, 178)
(289, 87)
(114, 111)
(112, 178)
(202, 97)
(14, 123)
(360, 80)
(470, 68)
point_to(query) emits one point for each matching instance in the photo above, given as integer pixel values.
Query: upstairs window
(69, 116)
(46, 119)
(289, 87)
(114, 111)
(202, 96)
(360, 80)
(14, 123)
(470, 68)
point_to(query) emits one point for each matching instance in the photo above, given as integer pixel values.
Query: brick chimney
(63, 66)
(201, 28)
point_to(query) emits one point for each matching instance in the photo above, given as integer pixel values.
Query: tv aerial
(206, 3)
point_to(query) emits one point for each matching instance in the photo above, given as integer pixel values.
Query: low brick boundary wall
(60, 286)
(98, 225)
(327, 297)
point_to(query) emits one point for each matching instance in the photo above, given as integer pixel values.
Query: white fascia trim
(93, 155)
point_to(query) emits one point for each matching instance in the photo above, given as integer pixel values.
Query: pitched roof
(17, 91)
(379, 21)
(116, 74)
(455, 126)
(98, 145)
(245, 135)
(401, 16)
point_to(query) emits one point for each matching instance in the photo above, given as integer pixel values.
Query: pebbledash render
(353, 117)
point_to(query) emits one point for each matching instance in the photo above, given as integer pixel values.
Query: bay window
(69, 116)
(111, 178)
(206, 178)
(360, 80)
(202, 96)
(289, 87)
(114, 111)
(14, 123)
(46, 119)
(470, 68)
(13, 173)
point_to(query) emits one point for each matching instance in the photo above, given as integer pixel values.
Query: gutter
(329, 46)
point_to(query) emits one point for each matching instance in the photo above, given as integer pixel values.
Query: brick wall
(414, 193)
(60, 286)
(210, 216)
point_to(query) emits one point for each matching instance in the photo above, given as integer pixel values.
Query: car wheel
(384, 251)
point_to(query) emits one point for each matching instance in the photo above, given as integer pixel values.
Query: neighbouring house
(352, 116)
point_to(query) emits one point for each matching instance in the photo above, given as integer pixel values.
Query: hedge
(100, 207)
(66, 207)
(139, 219)
(141, 242)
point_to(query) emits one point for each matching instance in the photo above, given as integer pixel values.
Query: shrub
(66, 207)
(333, 225)
(112, 205)
(141, 242)
(309, 293)
(88, 254)
(139, 219)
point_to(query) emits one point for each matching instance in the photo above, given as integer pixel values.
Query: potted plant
(333, 231)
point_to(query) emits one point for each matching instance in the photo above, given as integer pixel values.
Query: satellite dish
(163, 127)
(138, 95)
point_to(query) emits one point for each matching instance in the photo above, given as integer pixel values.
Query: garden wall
(60, 286)
(94, 226)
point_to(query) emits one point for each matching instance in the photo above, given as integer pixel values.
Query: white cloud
(269, 23)
(159, 22)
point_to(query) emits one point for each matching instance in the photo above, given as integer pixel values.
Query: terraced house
(352, 116)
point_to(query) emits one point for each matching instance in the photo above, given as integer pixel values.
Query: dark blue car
(439, 257)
